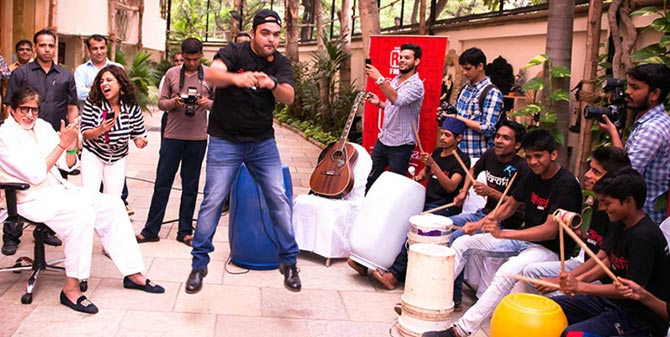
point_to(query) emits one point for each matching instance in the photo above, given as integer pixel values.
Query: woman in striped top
(111, 117)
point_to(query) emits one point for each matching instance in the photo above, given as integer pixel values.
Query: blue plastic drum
(253, 243)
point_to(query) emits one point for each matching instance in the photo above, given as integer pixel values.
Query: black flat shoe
(194, 281)
(291, 277)
(148, 287)
(144, 239)
(83, 304)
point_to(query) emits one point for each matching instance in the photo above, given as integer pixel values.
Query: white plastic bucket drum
(429, 228)
(429, 289)
(381, 226)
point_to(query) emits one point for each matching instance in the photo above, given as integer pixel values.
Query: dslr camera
(190, 99)
(616, 110)
(446, 109)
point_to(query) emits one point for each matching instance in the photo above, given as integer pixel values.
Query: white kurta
(67, 209)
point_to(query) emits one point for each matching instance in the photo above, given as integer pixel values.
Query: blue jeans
(460, 220)
(395, 157)
(224, 159)
(190, 154)
(599, 316)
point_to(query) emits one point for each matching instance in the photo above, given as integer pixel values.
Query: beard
(407, 70)
(641, 107)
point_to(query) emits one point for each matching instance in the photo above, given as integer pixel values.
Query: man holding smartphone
(402, 106)
(185, 97)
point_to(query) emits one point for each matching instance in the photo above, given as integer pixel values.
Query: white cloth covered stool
(322, 225)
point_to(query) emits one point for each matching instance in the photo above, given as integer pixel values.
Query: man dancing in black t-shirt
(637, 250)
(549, 187)
(249, 77)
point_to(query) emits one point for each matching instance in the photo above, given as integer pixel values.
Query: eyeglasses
(24, 110)
(24, 49)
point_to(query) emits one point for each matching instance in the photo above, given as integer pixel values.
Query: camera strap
(182, 76)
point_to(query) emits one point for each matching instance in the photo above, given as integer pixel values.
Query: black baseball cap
(265, 16)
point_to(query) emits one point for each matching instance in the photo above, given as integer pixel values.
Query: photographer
(185, 97)
(648, 144)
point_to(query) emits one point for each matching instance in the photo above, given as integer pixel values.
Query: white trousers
(94, 171)
(75, 214)
(520, 253)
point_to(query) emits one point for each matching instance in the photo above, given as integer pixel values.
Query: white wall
(75, 17)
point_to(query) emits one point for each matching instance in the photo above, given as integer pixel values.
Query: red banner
(384, 53)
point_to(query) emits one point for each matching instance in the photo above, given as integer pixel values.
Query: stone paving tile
(227, 326)
(156, 324)
(58, 320)
(347, 328)
(308, 304)
(13, 315)
(370, 307)
(221, 299)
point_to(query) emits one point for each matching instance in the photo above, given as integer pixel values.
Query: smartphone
(368, 61)
(109, 114)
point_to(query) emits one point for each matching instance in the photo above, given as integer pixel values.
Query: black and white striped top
(129, 125)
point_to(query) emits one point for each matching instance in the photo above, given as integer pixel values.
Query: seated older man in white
(31, 152)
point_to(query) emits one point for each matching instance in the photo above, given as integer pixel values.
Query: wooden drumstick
(416, 134)
(534, 281)
(504, 194)
(581, 243)
(467, 169)
(437, 208)
(560, 245)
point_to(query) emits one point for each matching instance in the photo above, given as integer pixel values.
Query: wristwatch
(380, 80)
(273, 78)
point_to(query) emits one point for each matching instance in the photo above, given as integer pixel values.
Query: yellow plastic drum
(527, 315)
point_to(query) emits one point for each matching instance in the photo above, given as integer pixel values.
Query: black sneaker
(9, 247)
(445, 333)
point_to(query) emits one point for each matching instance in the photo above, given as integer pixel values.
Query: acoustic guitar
(333, 176)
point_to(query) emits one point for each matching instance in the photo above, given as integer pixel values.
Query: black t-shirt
(244, 114)
(449, 165)
(498, 175)
(597, 237)
(543, 197)
(640, 253)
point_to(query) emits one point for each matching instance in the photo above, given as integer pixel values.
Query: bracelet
(73, 151)
(61, 146)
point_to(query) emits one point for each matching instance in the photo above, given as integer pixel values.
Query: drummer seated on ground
(499, 164)
(31, 152)
(636, 250)
(603, 160)
(445, 179)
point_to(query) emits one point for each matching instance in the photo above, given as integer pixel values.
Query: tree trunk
(422, 17)
(111, 29)
(629, 33)
(369, 18)
(441, 4)
(616, 37)
(587, 93)
(139, 25)
(345, 33)
(307, 20)
(559, 49)
(415, 12)
(292, 30)
(320, 48)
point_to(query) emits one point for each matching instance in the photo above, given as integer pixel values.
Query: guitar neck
(350, 120)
